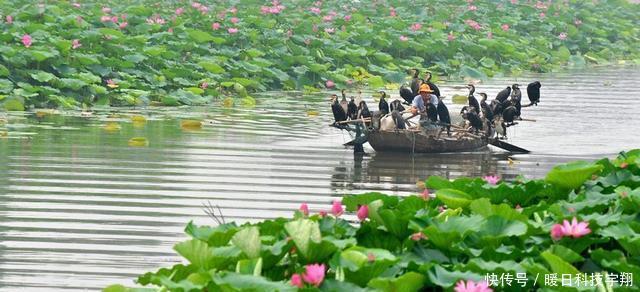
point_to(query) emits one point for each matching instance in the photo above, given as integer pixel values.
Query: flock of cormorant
(505, 108)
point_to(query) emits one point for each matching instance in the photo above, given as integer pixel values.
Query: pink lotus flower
(404, 38)
(314, 274)
(170, 30)
(514, 1)
(26, 40)
(327, 18)
(123, 25)
(363, 212)
(624, 165)
(491, 179)
(562, 36)
(9, 19)
(574, 229)
(203, 9)
(304, 209)
(471, 286)
(215, 26)
(473, 8)
(473, 24)
(371, 257)
(330, 30)
(111, 83)
(337, 209)
(114, 19)
(416, 27)
(541, 5)
(442, 209)
(542, 15)
(234, 20)
(179, 11)
(76, 5)
(322, 213)
(451, 37)
(418, 236)
(329, 84)
(265, 9)
(204, 85)
(489, 35)
(296, 280)
(392, 12)
(196, 5)
(315, 10)
(75, 44)
(232, 30)
(106, 10)
(505, 27)
(425, 195)
(347, 17)
(233, 10)
(105, 18)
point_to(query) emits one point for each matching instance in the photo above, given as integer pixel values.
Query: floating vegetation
(190, 124)
(112, 127)
(138, 142)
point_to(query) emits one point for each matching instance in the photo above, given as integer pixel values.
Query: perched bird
(398, 120)
(406, 94)
(516, 98)
(470, 114)
(383, 106)
(396, 105)
(486, 109)
(363, 110)
(503, 94)
(432, 112)
(533, 92)
(496, 107)
(443, 115)
(339, 114)
(436, 90)
(344, 103)
(415, 82)
(472, 99)
(352, 109)
(509, 114)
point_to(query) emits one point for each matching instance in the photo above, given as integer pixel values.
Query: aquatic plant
(409, 244)
(65, 54)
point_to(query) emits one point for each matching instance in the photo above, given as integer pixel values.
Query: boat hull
(417, 142)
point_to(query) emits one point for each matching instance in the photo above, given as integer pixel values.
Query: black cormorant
(383, 106)
(436, 90)
(443, 115)
(352, 109)
(516, 98)
(473, 118)
(486, 109)
(472, 99)
(432, 112)
(396, 105)
(503, 94)
(415, 82)
(339, 114)
(343, 102)
(533, 92)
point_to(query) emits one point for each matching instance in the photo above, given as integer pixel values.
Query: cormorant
(398, 120)
(472, 99)
(383, 106)
(352, 109)
(516, 98)
(436, 90)
(363, 110)
(533, 92)
(508, 116)
(339, 114)
(473, 118)
(396, 105)
(486, 110)
(432, 112)
(344, 103)
(406, 94)
(443, 115)
(503, 94)
(415, 82)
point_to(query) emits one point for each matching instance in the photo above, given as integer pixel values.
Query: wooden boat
(429, 140)
(416, 141)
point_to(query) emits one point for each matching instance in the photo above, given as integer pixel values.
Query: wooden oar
(506, 146)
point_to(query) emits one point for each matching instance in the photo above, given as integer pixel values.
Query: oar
(506, 146)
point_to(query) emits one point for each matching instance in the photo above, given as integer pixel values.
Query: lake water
(81, 209)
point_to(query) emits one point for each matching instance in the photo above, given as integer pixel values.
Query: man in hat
(419, 103)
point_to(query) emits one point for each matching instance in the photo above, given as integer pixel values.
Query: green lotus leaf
(572, 175)
(453, 198)
(199, 36)
(303, 232)
(211, 67)
(248, 240)
(558, 265)
(227, 281)
(4, 71)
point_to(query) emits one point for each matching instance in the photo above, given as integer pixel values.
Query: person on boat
(419, 103)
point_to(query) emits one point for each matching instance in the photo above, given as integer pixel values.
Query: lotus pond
(81, 208)
(74, 53)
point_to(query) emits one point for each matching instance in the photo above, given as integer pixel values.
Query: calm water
(80, 209)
